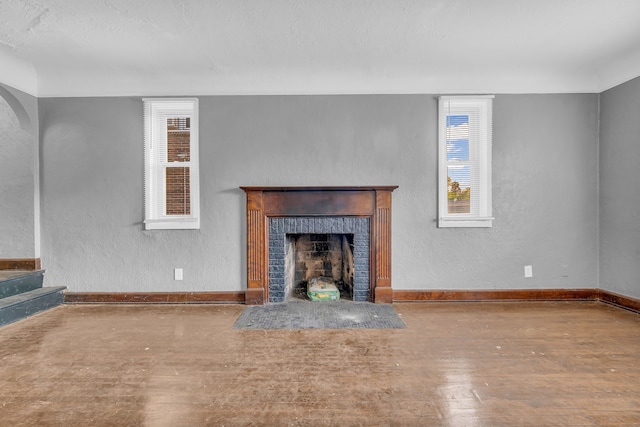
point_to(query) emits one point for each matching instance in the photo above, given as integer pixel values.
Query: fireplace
(276, 214)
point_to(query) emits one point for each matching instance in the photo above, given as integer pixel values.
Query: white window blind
(171, 163)
(464, 166)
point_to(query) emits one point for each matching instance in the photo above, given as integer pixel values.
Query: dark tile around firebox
(279, 227)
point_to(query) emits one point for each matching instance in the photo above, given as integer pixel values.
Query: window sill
(465, 222)
(172, 224)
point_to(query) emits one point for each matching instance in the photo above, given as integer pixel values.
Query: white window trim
(482, 217)
(154, 110)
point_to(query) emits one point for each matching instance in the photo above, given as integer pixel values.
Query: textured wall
(619, 195)
(17, 182)
(545, 188)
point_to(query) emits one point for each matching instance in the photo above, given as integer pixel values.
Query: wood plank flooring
(456, 364)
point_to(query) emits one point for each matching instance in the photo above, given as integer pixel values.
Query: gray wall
(19, 227)
(545, 188)
(619, 195)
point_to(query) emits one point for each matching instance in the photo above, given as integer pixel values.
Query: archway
(17, 180)
(17, 108)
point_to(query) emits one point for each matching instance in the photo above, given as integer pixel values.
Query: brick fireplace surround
(291, 203)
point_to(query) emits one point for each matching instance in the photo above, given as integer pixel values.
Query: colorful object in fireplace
(322, 289)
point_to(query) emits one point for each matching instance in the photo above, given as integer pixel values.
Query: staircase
(22, 295)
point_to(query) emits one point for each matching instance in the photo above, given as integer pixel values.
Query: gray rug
(320, 315)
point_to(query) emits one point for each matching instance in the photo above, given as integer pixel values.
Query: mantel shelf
(331, 188)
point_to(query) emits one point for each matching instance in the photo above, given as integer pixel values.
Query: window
(464, 166)
(171, 177)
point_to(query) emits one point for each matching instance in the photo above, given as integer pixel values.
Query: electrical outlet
(528, 271)
(564, 270)
(177, 274)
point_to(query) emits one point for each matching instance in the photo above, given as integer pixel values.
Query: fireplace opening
(318, 255)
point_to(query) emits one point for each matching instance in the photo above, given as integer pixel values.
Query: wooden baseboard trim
(618, 300)
(607, 297)
(495, 295)
(399, 296)
(27, 264)
(154, 297)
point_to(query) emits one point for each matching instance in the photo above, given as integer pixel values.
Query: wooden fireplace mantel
(373, 202)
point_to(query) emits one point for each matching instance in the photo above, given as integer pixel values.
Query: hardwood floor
(456, 364)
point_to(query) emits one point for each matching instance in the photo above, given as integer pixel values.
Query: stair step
(17, 282)
(18, 307)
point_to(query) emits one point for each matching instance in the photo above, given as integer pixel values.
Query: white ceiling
(200, 47)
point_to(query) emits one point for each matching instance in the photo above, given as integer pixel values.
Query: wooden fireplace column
(264, 202)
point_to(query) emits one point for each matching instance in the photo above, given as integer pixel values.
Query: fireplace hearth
(275, 214)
